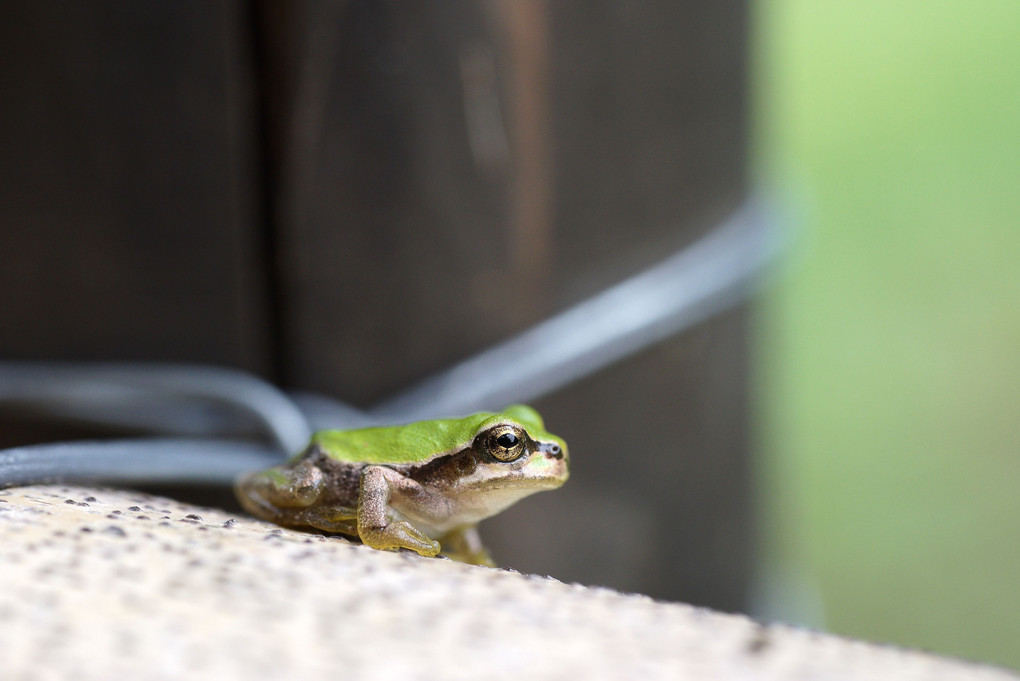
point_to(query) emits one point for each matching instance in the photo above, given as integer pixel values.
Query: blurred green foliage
(889, 388)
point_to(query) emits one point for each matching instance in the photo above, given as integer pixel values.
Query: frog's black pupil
(507, 440)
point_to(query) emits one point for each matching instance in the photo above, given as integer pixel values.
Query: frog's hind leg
(281, 493)
(463, 544)
(339, 519)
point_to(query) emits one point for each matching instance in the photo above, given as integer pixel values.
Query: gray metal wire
(135, 461)
(703, 279)
(168, 398)
(718, 271)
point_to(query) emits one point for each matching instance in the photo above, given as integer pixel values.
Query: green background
(889, 345)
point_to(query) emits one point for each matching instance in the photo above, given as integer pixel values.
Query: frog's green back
(421, 441)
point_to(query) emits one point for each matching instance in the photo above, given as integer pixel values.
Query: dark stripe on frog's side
(445, 469)
(342, 481)
(450, 467)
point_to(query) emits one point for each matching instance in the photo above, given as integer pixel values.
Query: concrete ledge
(102, 584)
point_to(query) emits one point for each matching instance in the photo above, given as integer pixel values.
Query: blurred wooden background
(347, 196)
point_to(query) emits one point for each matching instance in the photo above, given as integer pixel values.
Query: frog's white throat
(467, 508)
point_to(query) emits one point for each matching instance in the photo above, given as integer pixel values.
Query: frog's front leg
(463, 544)
(381, 486)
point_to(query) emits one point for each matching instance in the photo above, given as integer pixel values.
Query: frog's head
(509, 456)
(514, 449)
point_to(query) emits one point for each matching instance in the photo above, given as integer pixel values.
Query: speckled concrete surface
(105, 584)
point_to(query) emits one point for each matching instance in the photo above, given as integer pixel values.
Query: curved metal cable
(134, 461)
(169, 398)
(703, 279)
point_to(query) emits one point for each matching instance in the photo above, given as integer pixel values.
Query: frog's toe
(399, 535)
(473, 558)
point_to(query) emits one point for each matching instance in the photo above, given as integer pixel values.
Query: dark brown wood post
(454, 171)
(348, 196)
(130, 223)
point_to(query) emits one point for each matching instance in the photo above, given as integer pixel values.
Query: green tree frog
(421, 486)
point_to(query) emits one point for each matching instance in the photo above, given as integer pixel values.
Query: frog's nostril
(553, 450)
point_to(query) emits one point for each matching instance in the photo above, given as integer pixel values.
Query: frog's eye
(506, 443)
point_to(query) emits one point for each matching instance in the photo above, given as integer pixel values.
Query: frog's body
(421, 486)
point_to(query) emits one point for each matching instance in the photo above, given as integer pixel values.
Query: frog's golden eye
(506, 443)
